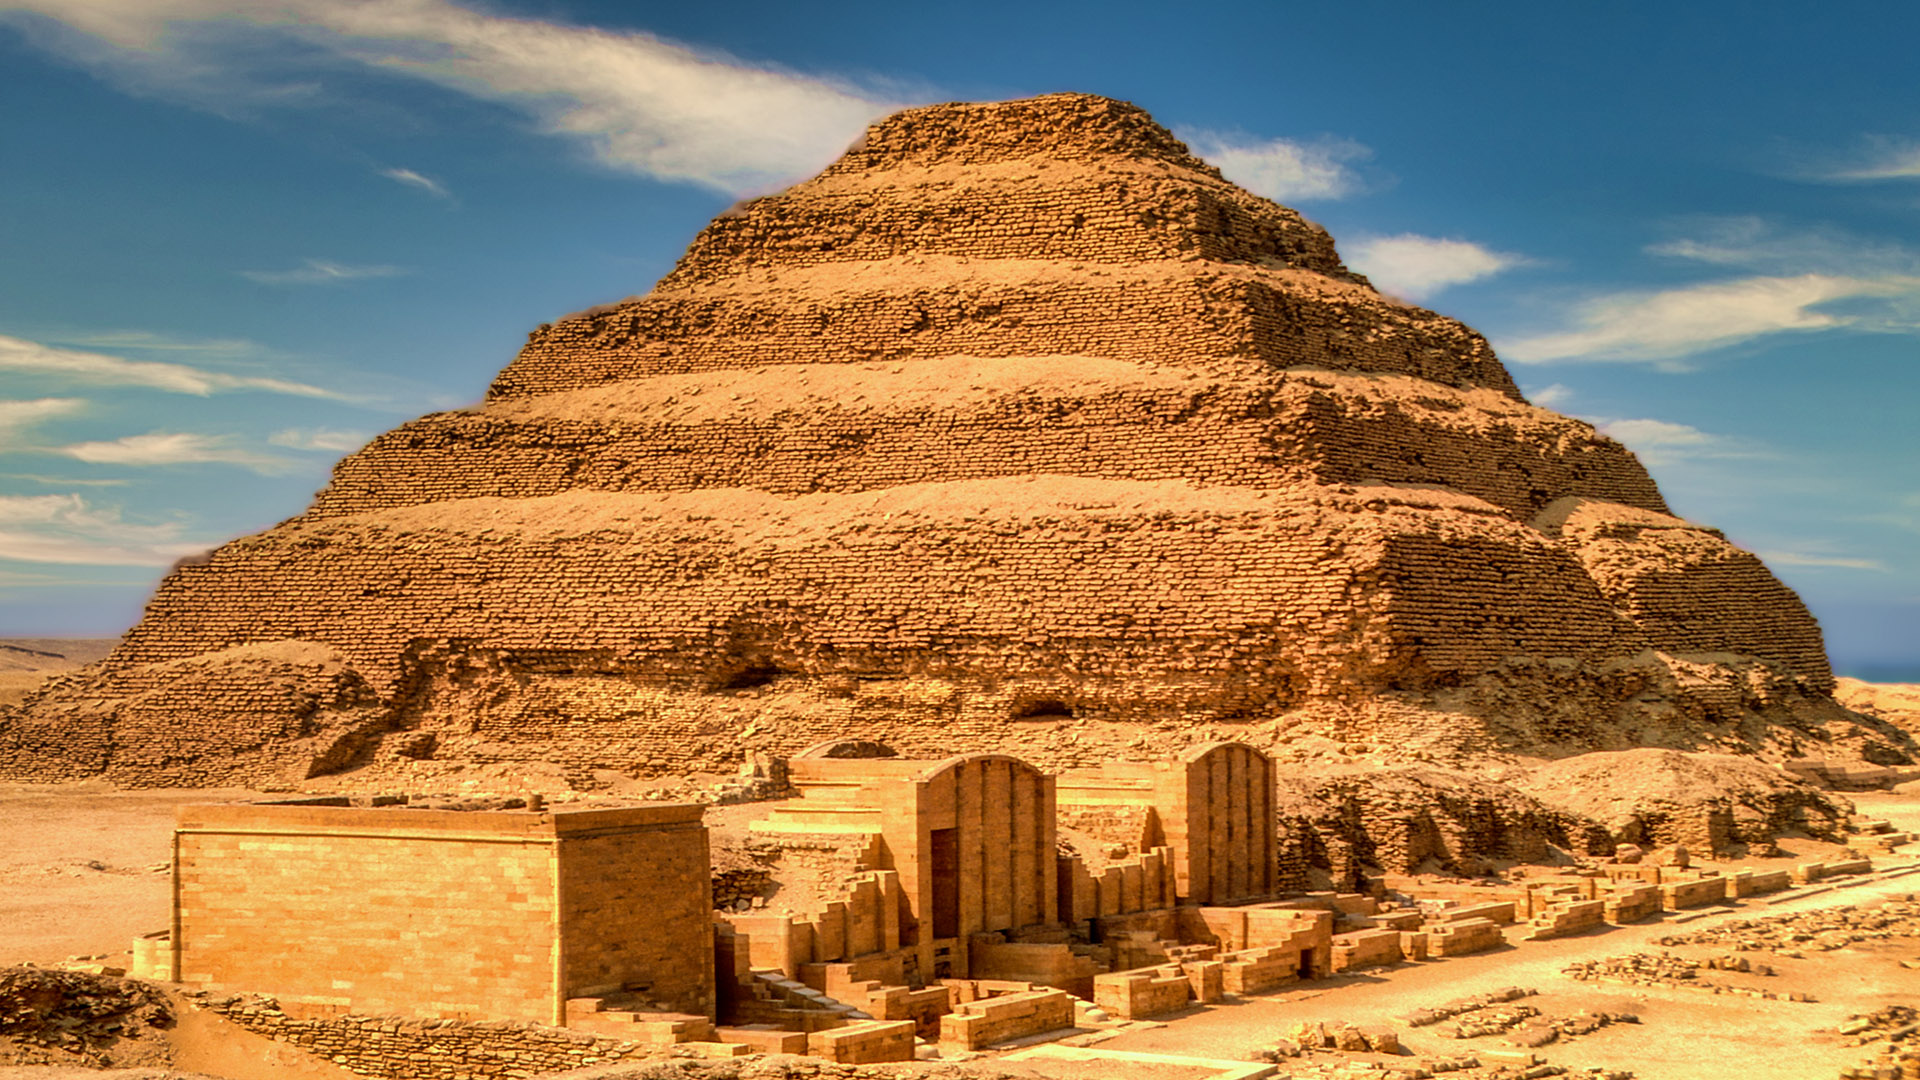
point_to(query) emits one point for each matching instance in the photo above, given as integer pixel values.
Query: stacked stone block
(435, 913)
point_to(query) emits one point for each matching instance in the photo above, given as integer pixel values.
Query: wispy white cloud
(1763, 246)
(146, 340)
(101, 369)
(17, 416)
(1416, 267)
(1883, 159)
(65, 481)
(68, 529)
(1809, 559)
(328, 439)
(638, 102)
(1798, 280)
(175, 448)
(1555, 396)
(1665, 326)
(320, 272)
(413, 179)
(1663, 442)
(1284, 170)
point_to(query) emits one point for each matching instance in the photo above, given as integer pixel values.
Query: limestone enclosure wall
(283, 900)
(482, 915)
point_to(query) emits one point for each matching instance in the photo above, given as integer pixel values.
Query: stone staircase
(771, 998)
(629, 1017)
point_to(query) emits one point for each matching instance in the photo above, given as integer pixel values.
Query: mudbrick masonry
(1018, 428)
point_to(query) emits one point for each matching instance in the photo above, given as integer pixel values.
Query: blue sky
(242, 236)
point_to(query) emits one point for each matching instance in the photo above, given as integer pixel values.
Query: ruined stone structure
(1212, 807)
(471, 915)
(957, 917)
(1014, 429)
(971, 840)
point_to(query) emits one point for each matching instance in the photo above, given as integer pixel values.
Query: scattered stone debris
(1894, 1023)
(1493, 1020)
(52, 1017)
(1437, 1013)
(1484, 1065)
(1666, 969)
(1821, 930)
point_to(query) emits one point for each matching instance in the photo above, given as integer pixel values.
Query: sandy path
(82, 867)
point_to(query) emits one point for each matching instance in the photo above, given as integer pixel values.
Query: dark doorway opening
(946, 883)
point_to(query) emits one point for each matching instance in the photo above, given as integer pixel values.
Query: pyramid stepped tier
(1688, 588)
(686, 597)
(1211, 317)
(1019, 428)
(852, 427)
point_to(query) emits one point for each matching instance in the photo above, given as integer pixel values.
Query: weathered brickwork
(1202, 318)
(438, 913)
(1019, 412)
(1690, 590)
(864, 427)
(389, 1048)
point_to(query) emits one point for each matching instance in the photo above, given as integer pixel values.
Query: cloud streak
(17, 416)
(332, 440)
(68, 529)
(413, 179)
(101, 369)
(1663, 442)
(320, 272)
(175, 448)
(1416, 267)
(637, 102)
(1798, 281)
(1283, 170)
(1665, 326)
(1890, 159)
(1832, 562)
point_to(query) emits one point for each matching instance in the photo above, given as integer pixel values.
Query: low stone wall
(737, 889)
(1366, 948)
(1679, 895)
(975, 1024)
(864, 1043)
(390, 1048)
(1463, 937)
(1150, 992)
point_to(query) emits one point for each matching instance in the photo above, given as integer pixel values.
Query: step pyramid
(1019, 427)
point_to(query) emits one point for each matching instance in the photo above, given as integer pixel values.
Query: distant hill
(26, 662)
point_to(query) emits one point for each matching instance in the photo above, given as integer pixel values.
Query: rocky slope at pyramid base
(307, 715)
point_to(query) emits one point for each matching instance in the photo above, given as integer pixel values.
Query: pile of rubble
(1898, 1057)
(1493, 1020)
(1893, 1023)
(1313, 1035)
(50, 1017)
(1525, 1026)
(1459, 1006)
(1666, 969)
(1486, 1065)
(1820, 931)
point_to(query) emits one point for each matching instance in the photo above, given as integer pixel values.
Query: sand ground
(84, 868)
